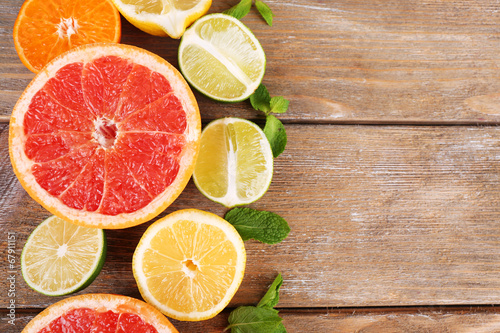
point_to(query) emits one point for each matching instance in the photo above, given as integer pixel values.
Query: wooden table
(390, 180)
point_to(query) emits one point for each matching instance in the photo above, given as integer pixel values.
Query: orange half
(45, 29)
(105, 136)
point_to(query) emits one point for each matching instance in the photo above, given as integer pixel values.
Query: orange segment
(47, 28)
(106, 136)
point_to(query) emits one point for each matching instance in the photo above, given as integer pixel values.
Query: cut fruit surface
(189, 264)
(221, 58)
(103, 313)
(162, 17)
(45, 29)
(60, 258)
(106, 136)
(235, 164)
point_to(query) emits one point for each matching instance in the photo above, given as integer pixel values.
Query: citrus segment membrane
(103, 313)
(45, 29)
(70, 151)
(106, 134)
(162, 17)
(221, 58)
(60, 258)
(87, 320)
(235, 163)
(189, 264)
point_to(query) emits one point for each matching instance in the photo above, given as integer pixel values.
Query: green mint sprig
(260, 318)
(266, 227)
(265, 12)
(241, 9)
(274, 129)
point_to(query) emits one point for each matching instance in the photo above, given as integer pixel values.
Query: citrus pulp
(46, 28)
(162, 17)
(60, 258)
(235, 164)
(189, 264)
(221, 58)
(106, 136)
(103, 313)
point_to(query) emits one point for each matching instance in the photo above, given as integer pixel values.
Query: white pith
(191, 37)
(231, 198)
(101, 303)
(22, 164)
(199, 217)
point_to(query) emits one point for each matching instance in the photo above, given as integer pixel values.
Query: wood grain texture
(347, 61)
(380, 216)
(397, 212)
(413, 320)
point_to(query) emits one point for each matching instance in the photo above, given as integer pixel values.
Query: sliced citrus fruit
(162, 17)
(103, 313)
(221, 58)
(106, 136)
(46, 28)
(189, 264)
(60, 258)
(235, 164)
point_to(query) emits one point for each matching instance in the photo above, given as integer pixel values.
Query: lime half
(235, 163)
(60, 258)
(221, 58)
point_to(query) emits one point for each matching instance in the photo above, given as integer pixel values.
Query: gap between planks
(5, 119)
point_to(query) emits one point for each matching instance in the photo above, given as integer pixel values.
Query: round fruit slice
(235, 164)
(106, 136)
(221, 58)
(60, 258)
(189, 264)
(160, 17)
(47, 28)
(103, 313)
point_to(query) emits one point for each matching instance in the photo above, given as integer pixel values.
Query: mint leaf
(265, 11)
(276, 134)
(272, 296)
(240, 10)
(280, 329)
(261, 100)
(260, 318)
(266, 227)
(251, 319)
(279, 104)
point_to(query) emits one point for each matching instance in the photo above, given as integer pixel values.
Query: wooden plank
(348, 61)
(457, 320)
(380, 216)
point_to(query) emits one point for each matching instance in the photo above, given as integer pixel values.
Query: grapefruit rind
(188, 215)
(101, 302)
(22, 164)
(86, 280)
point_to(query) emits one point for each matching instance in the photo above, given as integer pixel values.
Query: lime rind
(191, 38)
(84, 282)
(231, 199)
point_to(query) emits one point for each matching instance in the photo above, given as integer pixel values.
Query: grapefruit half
(100, 313)
(105, 136)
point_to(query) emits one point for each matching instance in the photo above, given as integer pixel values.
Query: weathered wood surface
(347, 61)
(380, 216)
(418, 320)
(400, 211)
